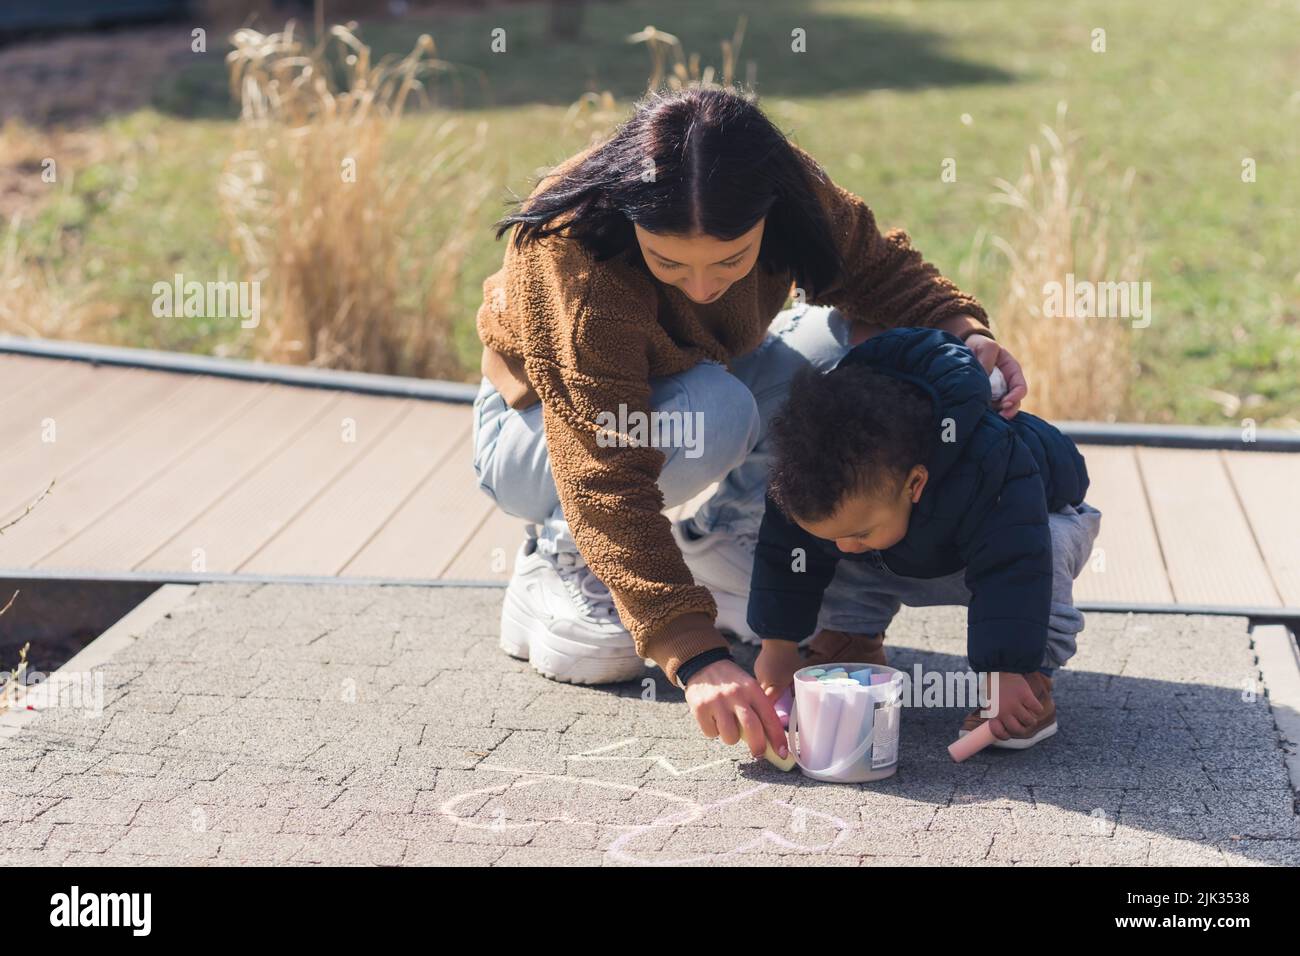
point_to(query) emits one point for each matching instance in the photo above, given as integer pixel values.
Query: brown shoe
(838, 647)
(1042, 728)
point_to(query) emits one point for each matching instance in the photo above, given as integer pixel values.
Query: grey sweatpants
(863, 598)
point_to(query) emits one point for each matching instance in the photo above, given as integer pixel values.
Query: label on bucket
(884, 749)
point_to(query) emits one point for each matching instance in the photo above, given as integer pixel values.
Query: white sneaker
(560, 617)
(721, 562)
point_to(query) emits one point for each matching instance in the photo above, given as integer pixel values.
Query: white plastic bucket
(849, 730)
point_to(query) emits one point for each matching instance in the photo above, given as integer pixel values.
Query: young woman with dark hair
(644, 282)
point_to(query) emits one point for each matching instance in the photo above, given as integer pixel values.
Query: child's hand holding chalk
(1015, 706)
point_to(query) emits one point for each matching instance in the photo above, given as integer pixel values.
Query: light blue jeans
(513, 467)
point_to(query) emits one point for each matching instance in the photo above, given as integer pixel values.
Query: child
(895, 461)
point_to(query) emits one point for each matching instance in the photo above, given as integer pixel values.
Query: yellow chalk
(771, 756)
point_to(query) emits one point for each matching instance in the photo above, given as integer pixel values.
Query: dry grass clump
(355, 222)
(1065, 220)
(11, 689)
(595, 114)
(685, 71)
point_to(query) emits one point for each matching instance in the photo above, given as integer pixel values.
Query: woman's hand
(729, 704)
(991, 355)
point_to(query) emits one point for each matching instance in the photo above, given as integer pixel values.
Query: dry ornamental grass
(357, 235)
(1065, 222)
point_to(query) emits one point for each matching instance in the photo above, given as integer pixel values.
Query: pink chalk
(972, 743)
(783, 704)
(853, 713)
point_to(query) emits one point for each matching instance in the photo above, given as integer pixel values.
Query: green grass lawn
(1183, 93)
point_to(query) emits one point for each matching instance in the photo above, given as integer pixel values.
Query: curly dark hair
(845, 431)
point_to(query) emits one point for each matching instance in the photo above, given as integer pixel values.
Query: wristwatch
(699, 662)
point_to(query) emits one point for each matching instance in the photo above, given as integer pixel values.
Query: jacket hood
(945, 369)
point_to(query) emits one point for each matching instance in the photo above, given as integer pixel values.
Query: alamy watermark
(966, 689)
(128, 910)
(656, 429)
(208, 300)
(1084, 299)
(65, 690)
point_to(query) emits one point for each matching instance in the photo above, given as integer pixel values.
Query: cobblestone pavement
(382, 725)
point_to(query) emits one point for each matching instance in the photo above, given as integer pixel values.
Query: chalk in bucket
(844, 729)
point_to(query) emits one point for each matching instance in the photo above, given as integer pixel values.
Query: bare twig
(28, 510)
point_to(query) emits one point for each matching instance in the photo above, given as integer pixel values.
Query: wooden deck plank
(96, 484)
(151, 465)
(330, 532)
(124, 536)
(110, 404)
(18, 373)
(233, 530)
(430, 528)
(489, 552)
(1127, 565)
(1267, 483)
(1209, 549)
(63, 390)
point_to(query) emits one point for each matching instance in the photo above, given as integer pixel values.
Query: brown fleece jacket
(586, 337)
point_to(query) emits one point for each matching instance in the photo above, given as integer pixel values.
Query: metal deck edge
(463, 393)
(366, 383)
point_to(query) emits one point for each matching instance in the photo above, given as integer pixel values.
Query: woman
(644, 276)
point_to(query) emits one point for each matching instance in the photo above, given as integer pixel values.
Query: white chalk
(998, 382)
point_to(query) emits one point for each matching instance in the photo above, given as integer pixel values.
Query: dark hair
(850, 430)
(719, 166)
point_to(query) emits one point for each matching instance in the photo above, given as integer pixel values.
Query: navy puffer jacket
(984, 509)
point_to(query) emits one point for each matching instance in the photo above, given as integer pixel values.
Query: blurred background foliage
(146, 135)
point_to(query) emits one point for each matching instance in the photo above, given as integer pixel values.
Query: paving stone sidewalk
(382, 725)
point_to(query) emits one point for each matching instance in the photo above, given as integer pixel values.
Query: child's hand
(1015, 706)
(775, 666)
(729, 704)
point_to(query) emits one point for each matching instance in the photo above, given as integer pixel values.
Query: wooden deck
(178, 474)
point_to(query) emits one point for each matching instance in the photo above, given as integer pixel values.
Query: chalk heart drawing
(466, 809)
